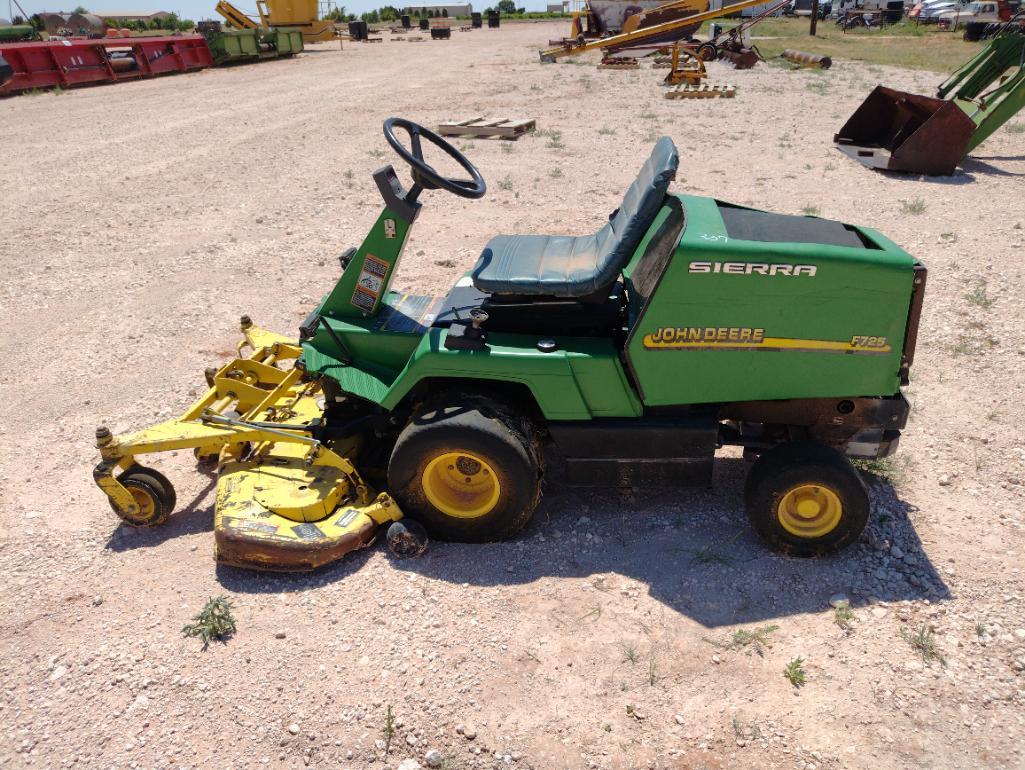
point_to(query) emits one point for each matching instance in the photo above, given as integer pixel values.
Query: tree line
(393, 13)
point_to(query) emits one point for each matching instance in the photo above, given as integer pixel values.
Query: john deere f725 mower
(628, 357)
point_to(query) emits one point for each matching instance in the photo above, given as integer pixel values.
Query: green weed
(845, 618)
(214, 621)
(894, 469)
(810, 211)
(924, 642)
(916, 206)
(758, 638)
(389, 729)
(795, 673)
(979, 298)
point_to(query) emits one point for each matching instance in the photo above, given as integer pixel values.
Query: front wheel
(467, 471)
(806, 499)
(152, 493)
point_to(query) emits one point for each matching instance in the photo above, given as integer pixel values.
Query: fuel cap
(547, 346)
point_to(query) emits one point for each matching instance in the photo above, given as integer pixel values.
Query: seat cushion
(576, 266)
(555, 265)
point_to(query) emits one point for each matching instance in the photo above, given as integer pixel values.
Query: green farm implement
(239, 45)
(897, 131)
(626, 357)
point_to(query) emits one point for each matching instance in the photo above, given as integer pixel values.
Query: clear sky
(204, 9)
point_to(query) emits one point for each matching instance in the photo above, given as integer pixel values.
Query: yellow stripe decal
(732, 338)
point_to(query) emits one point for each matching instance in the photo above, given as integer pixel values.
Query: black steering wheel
(424, 175)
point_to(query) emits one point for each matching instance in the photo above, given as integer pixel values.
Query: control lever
(472, 337)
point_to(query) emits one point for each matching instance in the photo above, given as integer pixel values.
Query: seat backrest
(618, 239)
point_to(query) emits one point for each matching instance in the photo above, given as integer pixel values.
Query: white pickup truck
(981, 10)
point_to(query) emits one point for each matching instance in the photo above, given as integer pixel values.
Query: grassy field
(901, 45)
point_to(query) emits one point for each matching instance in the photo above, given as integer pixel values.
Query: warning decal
(370, 283)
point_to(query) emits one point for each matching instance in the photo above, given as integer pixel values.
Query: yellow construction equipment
(300, 14)
(236, 18)
(644, 35)
(685, 68)
(663, 13)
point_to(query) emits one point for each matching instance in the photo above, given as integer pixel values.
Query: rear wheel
(153, 494)
(806, 499)
(468, 472)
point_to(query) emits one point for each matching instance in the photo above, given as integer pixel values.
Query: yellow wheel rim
(146, 504)
(809, 511)
(461, 484)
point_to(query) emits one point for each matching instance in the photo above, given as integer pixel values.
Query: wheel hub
(809, 511)
(461, 484)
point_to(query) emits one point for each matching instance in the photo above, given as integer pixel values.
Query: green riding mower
(628, 357)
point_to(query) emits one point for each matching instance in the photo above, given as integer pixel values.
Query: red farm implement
(67, 63)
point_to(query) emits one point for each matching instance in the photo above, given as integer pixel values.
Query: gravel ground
(142, 219)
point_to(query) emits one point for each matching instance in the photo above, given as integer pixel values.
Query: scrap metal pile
(665, 32)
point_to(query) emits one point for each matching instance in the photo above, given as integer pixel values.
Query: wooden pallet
(507, 128)
(624, 63)
(702, 91)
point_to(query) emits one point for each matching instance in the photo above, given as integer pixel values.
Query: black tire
(707, 52)
(829, 478)
(406, 538)
(492, 437)
(153, 490)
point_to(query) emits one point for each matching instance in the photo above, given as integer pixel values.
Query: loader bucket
(897, 131)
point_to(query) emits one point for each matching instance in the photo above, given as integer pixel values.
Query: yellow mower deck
(285, 501)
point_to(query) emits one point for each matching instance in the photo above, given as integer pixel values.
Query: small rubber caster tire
(153, 493)
(406, 539)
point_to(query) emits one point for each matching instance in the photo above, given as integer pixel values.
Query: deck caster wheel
(153, 494)
(206, 458)
(806, 499)
(406, 538)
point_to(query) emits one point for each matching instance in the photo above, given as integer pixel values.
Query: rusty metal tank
(86, 25)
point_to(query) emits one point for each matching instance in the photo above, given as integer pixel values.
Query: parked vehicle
(981, 10)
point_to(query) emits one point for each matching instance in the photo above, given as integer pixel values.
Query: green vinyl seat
(579, 266)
